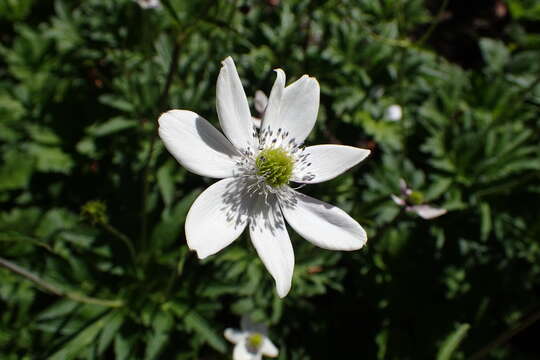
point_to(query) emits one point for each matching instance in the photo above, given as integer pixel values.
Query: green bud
(95, 211)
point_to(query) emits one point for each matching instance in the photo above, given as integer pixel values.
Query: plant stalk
(53, 289)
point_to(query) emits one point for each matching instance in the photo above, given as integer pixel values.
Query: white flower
(251, 342)
(149, 4)
(256, 167)
(394, 112)
(413, 202)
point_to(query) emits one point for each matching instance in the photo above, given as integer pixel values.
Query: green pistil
(275, 165)
(255, 341)
(416, 198)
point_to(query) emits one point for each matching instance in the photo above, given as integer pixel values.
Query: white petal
(233, 335)
(261, 101)
(271, 240)
(294, 108)
(196, 144)
(241, 352)
(399, 201)
(149, 4)
(232, 106)
(405, 190)
(271, 113)
(427, 212)
(217, 217)
(269, 349)
(256, 121)
(394, 112)
(324, 225)
(326, 162)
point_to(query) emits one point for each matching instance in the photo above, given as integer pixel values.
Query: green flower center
(255, 340)
(416, 198)
(276, 165)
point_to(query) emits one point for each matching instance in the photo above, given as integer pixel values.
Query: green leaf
(55, 220)
(116, 102)
(87, 147)
(123, 346)
(110, 330)
(43, 135)
(20, 220)
(486, 223)
(495, 54)
(451, 343)
(58, 309)
(169, 228)
(197, 323)
(11, 110)
(165, 182)
(84, 337)
(15, 9)
(16, 171)
(17, 237)
(161, 327)
(525, 9)
(50, 159)
(111, 126)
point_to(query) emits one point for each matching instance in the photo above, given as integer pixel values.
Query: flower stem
(122, 237)
(506, 336)
(53, 289)
(145, 173)
(436, 21)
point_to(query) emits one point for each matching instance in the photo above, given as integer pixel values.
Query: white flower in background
(251, 341)
(412, 201)
(261, 101)
(256, 167)
(149, 4)
(394, 113)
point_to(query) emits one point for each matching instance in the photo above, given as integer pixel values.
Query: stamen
(275, 165)
(255, 341)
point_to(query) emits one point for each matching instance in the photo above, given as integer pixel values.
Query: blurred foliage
(94, 206)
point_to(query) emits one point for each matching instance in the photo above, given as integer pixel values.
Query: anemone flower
(149, 4)
(256, 167)
(394, 113)
(251, 342)
(413, 201)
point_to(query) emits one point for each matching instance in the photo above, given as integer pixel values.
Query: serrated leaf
(495, 54)
(20, 220)
(55, 220)
(16, 171)
(50, 159)
(11, 110)
(43, 135)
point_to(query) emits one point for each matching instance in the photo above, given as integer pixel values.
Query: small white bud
(149, 4)
(394, 113)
